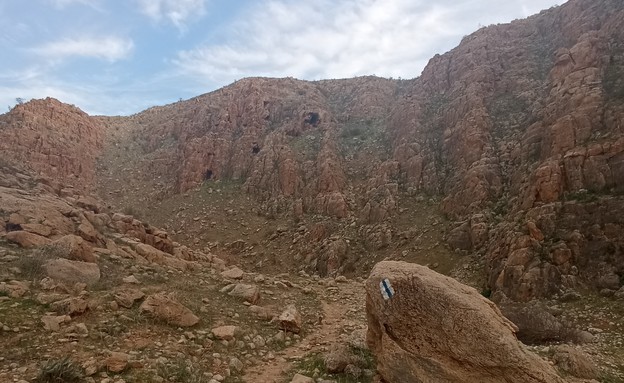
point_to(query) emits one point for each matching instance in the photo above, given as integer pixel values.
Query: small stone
(131, 279)
(53, 323)
(225, 332)
(117, 362)
(236, 364)
(290, 320)
(233, 273)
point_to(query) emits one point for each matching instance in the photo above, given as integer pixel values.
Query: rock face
(425, 327)
(54, 139)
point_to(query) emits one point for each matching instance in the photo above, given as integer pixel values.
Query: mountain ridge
(514, 130)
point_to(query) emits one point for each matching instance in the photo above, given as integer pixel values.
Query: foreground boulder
(425, 327)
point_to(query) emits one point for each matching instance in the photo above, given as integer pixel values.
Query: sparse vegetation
(487, 292)
(313, 365)
(581, 195)
(131, 210)
(182, 371)
(612, 78)
(60, 371)
(31, 265)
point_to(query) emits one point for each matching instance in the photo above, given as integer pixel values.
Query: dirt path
(336, 308)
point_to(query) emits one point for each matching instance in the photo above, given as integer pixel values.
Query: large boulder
(160, 257)
(76, 248)
(66, 270)
(425, 327)
(26, 239)
(167, 309)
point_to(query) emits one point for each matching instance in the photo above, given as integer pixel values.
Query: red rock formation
(54, 139)
(522, 122)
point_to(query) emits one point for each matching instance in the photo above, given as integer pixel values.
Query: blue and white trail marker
(386, 289)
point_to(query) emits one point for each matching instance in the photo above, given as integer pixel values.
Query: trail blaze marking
(386, 289)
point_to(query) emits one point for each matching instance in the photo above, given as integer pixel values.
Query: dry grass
(60, 371)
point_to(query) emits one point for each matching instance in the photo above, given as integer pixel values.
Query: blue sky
(118, 57)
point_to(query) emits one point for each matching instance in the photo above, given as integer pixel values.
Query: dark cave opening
(313, 119)
(12, 227)
(208, 175)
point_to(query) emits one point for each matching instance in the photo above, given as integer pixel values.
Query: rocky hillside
(225, 238)
(517, 131)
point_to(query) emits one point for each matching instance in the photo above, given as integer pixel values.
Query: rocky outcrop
(67, 234)
(54, 139)
(423, 326)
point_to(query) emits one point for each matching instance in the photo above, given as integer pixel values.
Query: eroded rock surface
(433, 328)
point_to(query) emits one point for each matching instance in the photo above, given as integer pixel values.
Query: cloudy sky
(122, 56)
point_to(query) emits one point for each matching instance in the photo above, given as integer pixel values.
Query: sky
(118, 57)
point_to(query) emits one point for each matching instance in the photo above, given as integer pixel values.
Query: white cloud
(178, 12)
(107, 48)
(328, 39)
(64, 3)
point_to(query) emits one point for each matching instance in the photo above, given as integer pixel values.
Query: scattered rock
(263, 313)
(236, 364)
(15, 289)
(131, 279)
(337, 359)
(127, 297)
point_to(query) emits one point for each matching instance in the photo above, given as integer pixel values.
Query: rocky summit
(463, 226)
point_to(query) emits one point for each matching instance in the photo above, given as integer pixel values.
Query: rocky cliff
(518, 132)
